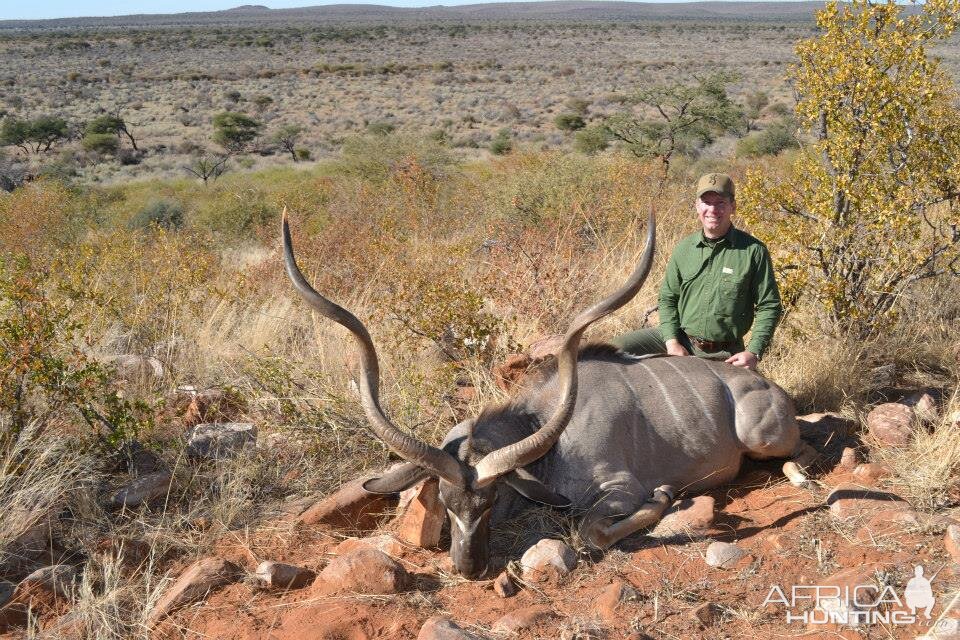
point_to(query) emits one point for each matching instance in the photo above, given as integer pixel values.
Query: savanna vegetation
(452, 260)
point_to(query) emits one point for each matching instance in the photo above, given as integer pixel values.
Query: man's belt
(710, 346)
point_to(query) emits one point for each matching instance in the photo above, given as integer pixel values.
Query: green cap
(717, 182)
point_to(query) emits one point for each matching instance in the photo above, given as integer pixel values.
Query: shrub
(376, 158)
(501, 144)
(569, 122)
(380, 128)
(104, 143)
(234, 131)
(769, 142)
(302, 153)
(166, 214)
(592, 139)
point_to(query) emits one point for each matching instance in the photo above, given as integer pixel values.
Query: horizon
(58, 9)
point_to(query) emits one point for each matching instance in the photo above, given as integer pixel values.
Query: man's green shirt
(714, 291)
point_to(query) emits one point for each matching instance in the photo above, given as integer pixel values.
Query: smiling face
(714, 212)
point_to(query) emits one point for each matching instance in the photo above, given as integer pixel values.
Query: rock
(776, 542)
(924, 406)
(56, 579)
(548, 553)
(848, 459)
(690, 516)
(6, 591)
(851, 500)
(891, 424)
(724, 555)
(610, 599)
(951, 540)
(851, 586)
(820, 427)
(143, 490)
(887, 524)
(220, 440)
(705, 614)
(136, 368)
(142, 461)
(131, 553)
(33, 540)
(523, 619)
(350, 508)
(870, 472)
(511, 371)
(443, 628)
(278, 575)
(545, 347)
(385, 543)
(212, 405)
(198, 580)
(504, 586)
(365, 571)
(422, 521)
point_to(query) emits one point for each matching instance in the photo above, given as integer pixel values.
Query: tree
(234, 131)
(870, 207)
(103, 143)
(208, 167)
(112, 124)
(569, 122)
(287, 137)
(35, 135)
(685, 116)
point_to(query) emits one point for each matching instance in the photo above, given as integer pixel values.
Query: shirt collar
(726, 239)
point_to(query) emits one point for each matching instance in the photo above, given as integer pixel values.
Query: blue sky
(19, 10)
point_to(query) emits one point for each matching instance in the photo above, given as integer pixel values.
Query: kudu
(642, 426)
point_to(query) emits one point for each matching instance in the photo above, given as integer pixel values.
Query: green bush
(769, 142)
(502, 144)
(569, 122)
(380, 128)
(234, 131)
(105, 143)
(592, 140)
(166, 214)
(302, 153)
(375, 157)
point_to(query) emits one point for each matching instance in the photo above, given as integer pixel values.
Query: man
(719, 282)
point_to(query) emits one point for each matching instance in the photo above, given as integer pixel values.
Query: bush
(380, 128)
(166, 214)
(234, 131)
(569, 122)
(592, 139)
(769, 142)
(501, 144)
(104, 143)
(376, 158)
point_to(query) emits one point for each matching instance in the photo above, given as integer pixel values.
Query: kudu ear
(403, 477)
(527, 485)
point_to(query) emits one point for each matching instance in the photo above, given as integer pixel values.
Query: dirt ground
(790, 534)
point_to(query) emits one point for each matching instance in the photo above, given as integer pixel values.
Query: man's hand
(743, 359)
(674, 348)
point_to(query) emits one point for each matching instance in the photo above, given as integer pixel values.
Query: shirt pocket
(731, 295)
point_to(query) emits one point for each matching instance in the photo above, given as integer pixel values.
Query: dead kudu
(641, 429)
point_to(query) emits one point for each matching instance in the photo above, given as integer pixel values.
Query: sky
(40, 9)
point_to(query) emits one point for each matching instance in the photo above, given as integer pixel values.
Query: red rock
(283, 576)
(523, 619)
(848, 459)
(870, 472)
(504, 586)
(851, 500)
(131, 553)
(385, 543)
(350, 508)
(951, 540)
(545, 347)
(507, 374)
(887, 524)
(924, 406)
(546, 554)
(688, 516)
(848, 587)
(365, 571)
(199, 579)
(443, 628)
(705, 614)
(891, 424)
(610, 599)
(422, 522)
(776, 542)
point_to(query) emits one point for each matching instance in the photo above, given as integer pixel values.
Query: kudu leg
(803, 456)
(646, 516)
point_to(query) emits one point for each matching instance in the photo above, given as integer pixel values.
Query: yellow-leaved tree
(872, 204)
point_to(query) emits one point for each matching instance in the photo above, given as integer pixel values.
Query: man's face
(714, 211)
